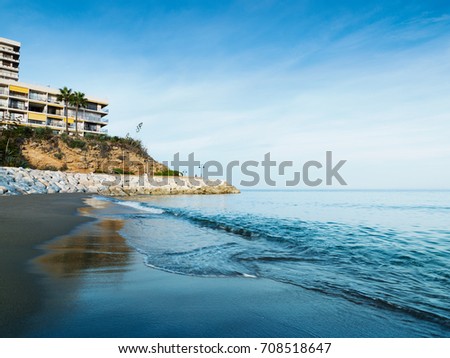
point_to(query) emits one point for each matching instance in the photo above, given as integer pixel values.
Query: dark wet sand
(90, 283)
(25, 222)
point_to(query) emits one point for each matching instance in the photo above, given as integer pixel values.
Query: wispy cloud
(233, 80)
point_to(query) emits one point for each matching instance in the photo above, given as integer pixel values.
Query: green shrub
(168, 172)
(11, 140)
(43, 133)
(121, 171)
(75, 143)
(23, 132)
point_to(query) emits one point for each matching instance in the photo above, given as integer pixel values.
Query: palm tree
(64, 95)
(78, 100)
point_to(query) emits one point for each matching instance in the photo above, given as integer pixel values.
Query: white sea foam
(140, 206)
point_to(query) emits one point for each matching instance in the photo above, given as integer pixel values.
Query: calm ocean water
(388, 249)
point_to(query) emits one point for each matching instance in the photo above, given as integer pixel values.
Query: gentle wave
(139, 206)
(383, 267)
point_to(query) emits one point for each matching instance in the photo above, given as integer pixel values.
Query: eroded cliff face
(93, 156)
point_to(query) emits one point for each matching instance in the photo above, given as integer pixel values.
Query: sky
(234, 80)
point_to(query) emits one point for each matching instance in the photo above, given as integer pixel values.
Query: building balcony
(95, 131)
(8, 57)
(56, 113)
(53, 100)
(22, 107)
(18, 95)
(103, 111)
(8, 50)
(17, 117)
(36, 123)
(9, 67)
(38, 97)
(95, 120)
(58, 124)
(88, 116)
(9, 74)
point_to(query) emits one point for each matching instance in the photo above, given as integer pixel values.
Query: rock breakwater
(16, 181)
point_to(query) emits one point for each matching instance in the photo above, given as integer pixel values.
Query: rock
(81, 188)
(72, 181)
(52, 189)
(92, 189)
(29, 181)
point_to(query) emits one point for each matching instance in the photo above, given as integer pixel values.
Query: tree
(78, 100)
(65, 95)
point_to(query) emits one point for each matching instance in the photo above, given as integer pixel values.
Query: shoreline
(69, 275)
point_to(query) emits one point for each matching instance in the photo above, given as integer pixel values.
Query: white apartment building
(37, 106)
(9, 59)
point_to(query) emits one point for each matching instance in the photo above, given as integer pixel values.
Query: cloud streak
(234, 81)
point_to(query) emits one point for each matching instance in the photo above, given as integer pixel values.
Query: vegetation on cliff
(40, 148)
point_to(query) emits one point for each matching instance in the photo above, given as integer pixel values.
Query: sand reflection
(94, 247)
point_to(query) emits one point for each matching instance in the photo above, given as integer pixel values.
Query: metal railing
(90, 117)
(4, 65)
(12, 117)
(57, 113)
(56, 124)
(18, 106)
(38, 97)
(16, 117)
(18, 94)
(97, 120)
(36, 123)
(7, 57)
(9, 74)
(9, 49)
(53, 100)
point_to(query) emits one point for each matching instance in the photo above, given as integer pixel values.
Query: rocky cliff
(41, 149)
(88, 156)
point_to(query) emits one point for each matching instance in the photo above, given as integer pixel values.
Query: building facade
(9, 59)
(37, 106)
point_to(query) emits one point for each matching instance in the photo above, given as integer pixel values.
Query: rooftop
(9, 42)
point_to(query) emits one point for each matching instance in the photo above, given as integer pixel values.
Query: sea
(386, 249)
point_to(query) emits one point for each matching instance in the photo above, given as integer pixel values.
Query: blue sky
(233, 80)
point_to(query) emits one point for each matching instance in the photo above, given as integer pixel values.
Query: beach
(26, 222)
(69, 269)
